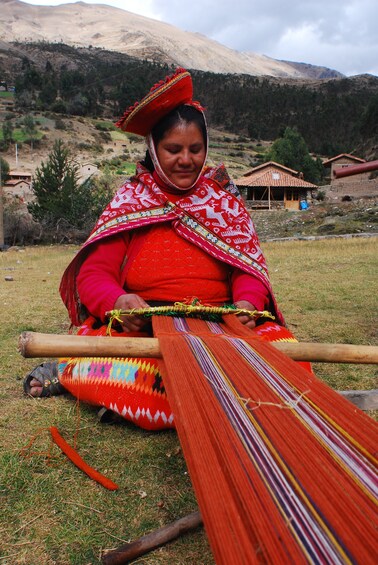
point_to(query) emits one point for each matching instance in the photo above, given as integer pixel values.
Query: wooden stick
(32, 344)
(143, 545)
(363, 399)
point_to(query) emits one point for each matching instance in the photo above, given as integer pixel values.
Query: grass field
(51, 512)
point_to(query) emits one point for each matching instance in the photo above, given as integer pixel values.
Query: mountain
(110, 28)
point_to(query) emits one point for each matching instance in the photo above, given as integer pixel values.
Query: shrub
(102, 127)
(320, 195)
(19, 226)
(59, 124)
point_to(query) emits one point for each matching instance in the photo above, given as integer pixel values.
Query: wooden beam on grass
(363, 399)
(143, 545)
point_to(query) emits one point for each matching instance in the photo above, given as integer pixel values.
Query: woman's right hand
(128, 302)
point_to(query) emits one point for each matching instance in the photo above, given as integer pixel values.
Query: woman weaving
(174, 231)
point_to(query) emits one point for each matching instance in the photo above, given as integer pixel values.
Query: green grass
(105, 125)
(327, 290)
(118, 135)
(51, 512)
(126, 169)
(8, 95)
(19, 136)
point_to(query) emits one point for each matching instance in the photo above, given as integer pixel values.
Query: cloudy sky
(339, 34)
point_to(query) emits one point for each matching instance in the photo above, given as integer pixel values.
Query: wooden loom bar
(150, 541)
(34, 344)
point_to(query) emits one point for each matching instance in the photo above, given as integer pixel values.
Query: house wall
(86, 170)
(346, 162)
(283, 197)
(21, 190)
(351, 186)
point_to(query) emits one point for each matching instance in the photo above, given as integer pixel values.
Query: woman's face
(181, 153)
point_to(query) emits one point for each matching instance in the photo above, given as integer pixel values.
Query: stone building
(360, 185)
(341, 162)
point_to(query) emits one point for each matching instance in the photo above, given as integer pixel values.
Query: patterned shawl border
(220, 249)
(131, 221)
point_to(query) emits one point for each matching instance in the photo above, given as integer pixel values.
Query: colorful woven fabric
(283, 467)
(130, 387)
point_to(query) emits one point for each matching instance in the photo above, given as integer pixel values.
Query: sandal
(47, 375)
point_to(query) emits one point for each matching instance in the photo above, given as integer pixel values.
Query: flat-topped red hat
(163, 97)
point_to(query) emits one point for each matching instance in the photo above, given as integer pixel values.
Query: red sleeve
(99, 278)
(248, 287)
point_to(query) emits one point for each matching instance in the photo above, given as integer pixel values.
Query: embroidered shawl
(211, 216)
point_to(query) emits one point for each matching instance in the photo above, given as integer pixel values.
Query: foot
(43, 380)
(35, 388)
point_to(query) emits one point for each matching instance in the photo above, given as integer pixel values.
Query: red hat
(163, 97)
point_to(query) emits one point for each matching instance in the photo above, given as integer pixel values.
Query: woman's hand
(244, 318)
(128, 302)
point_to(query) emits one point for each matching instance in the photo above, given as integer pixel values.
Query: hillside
(100, 26)
(96, 141)
(322, 219)
(333, 115)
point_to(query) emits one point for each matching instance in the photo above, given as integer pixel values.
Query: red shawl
(210, 216)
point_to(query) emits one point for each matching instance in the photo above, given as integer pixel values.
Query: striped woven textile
(132, 387)
(283, 467)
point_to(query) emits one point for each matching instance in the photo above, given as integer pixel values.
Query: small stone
(8, 278)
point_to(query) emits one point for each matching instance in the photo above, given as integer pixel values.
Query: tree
(60, 199)
(48, 92)
(78, 105)
(55, 186)
(291, 150)
(4, 171)
(369, 119)
(7, 133)
(30, 128)
(102, 189)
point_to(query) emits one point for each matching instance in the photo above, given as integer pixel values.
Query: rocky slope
(107, 27)
(322, 219)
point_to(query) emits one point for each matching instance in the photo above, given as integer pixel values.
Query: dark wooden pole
(155, 539)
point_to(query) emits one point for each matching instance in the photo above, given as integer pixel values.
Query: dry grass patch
(52, 513)
(327, 290)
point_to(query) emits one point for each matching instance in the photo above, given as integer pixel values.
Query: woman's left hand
(244, 318)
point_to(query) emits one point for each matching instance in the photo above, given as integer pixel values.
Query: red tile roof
(273, 175)
(343, 155)
(15, 182)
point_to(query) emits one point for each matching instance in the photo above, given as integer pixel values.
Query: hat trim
(155, 91)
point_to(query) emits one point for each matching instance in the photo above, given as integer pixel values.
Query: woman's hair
(182, 115)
